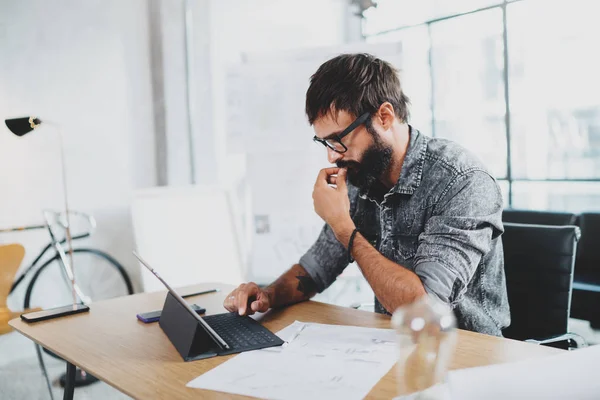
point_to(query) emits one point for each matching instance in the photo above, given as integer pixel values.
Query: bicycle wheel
(98, 275)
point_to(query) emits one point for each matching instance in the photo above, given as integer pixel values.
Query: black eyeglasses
(334, 142)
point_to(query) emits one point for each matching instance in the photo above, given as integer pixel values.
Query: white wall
(84, 65)
(238, 27)
(222, 31)
(87, 65)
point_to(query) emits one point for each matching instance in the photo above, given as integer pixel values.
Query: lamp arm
(58, 131)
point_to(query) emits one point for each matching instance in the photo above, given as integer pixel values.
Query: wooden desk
(138, 359)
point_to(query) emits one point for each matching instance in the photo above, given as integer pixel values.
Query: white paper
(318, 362)
(571, 375)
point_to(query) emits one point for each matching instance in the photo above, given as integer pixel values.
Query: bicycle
(89, 288)
(99, 276)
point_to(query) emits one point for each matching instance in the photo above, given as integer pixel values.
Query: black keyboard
(242, 333)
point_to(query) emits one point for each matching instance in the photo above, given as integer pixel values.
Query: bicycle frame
(58, 247)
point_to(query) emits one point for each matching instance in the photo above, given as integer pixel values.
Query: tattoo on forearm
(306, 285)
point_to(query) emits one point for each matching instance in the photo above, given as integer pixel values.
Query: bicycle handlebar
(59, 217)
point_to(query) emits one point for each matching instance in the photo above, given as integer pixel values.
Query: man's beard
(375, 162)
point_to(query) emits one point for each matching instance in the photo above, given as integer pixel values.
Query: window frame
(501, 4)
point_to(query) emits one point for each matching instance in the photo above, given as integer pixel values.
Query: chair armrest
(580, 341)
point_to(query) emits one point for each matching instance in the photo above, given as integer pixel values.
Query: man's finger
(341, 179)
(330, 170)
(244, 295)
(229, 302)
(332, 179)
(258, 306)
(325, 173)
(262, 303)
(241, 301)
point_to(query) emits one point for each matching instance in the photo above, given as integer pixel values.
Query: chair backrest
(587, 266)
(11, 256)
(539, 262)
(188, 235)
(539, 217)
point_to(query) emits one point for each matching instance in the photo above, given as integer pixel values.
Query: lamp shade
(22, 126)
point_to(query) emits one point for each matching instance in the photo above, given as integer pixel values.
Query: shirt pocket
(405, 248)
(409, 218)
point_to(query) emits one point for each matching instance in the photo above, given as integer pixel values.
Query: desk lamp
(21, 127)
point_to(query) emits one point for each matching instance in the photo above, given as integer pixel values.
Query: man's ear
(386, 115)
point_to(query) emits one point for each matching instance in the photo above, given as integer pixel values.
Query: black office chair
(538, 217)
(539, 261)
(586, 284)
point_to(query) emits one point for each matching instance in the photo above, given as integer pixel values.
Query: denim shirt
(442, 220)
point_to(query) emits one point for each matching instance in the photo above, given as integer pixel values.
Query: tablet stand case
(190, 338)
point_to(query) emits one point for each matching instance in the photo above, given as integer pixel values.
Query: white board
(267, 122)
(266, 96)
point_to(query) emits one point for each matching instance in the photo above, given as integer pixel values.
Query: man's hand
(332, 203)
(247, 299)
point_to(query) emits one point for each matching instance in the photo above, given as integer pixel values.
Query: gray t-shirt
(442, 220)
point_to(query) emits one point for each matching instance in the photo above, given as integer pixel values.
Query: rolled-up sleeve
(465, 220)
(327, 258)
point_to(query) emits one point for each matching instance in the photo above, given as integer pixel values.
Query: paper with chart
(318, 362)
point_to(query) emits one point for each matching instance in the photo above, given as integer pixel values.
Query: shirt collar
(412, 167)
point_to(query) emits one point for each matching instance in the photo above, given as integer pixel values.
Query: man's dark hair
(355, 83)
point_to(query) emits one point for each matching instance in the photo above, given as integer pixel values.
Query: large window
(466, 60)
(414, 75)
(516, 82)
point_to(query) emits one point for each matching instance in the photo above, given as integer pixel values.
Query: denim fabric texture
(442, 220)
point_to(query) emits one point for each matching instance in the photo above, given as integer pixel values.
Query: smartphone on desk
(43, 315)
(153, 316)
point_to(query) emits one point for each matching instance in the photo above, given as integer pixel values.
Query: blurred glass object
(557, 196)
(426, 332)
(467, 69)
(414, 73)
(393, 14)
(554, 86)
